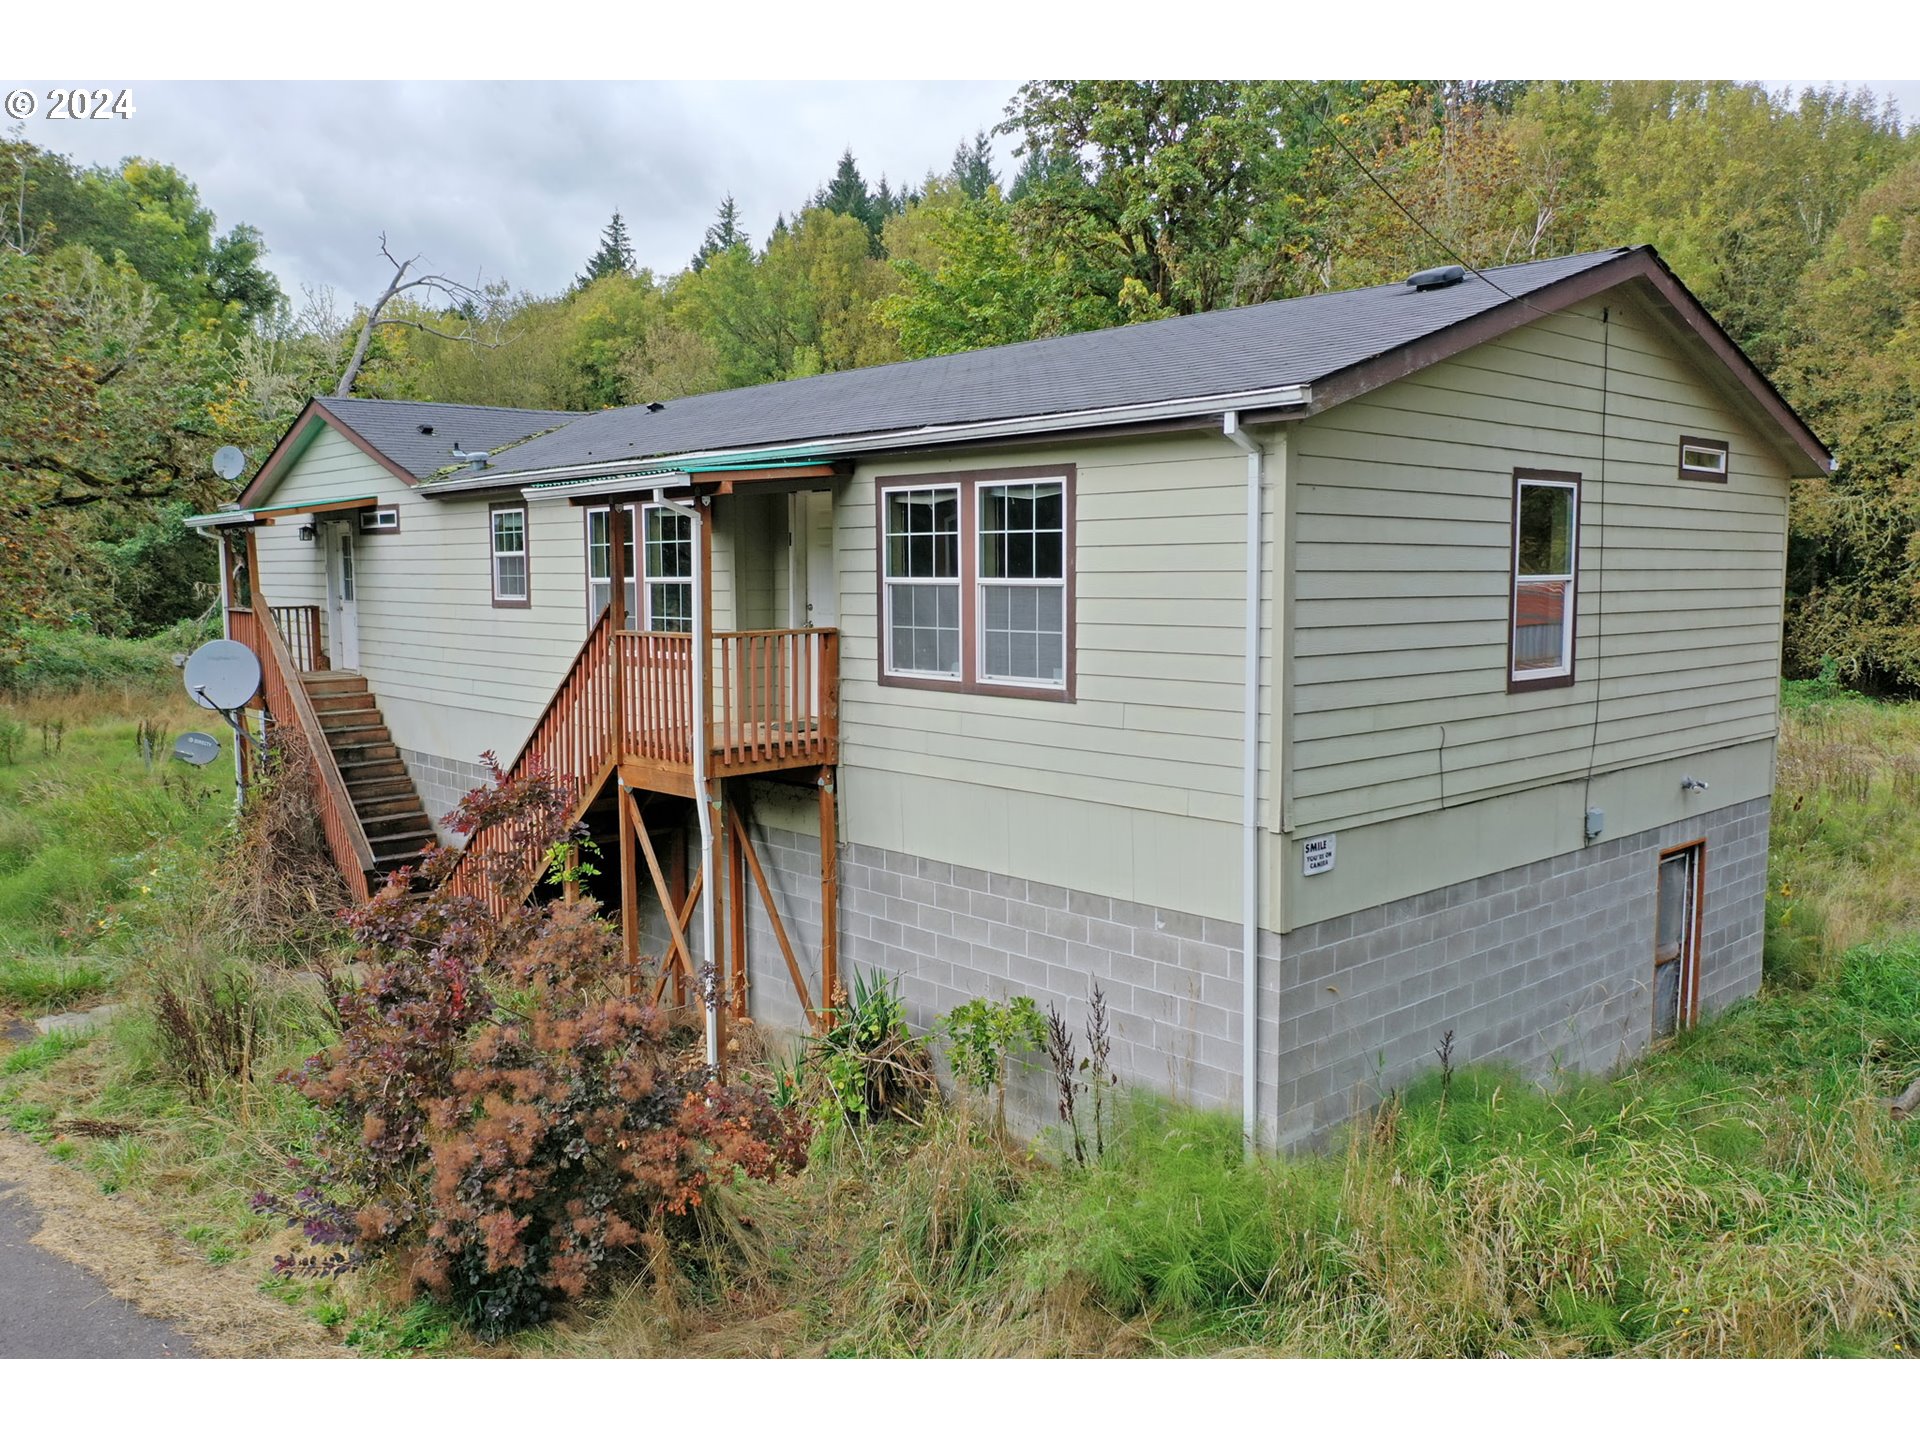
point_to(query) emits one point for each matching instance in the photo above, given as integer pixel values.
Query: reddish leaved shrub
(500, 1097)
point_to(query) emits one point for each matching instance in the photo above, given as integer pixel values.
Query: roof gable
(411, 440)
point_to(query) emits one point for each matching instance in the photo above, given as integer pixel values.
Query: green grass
(44, 984)
(39, 1053)
(56, 661)
(1846, 825)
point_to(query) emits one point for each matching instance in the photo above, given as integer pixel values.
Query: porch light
(307, 533)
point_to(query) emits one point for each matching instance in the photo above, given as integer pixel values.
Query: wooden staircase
(377, 782)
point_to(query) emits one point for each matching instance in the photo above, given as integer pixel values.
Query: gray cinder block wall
(1546, 966)
(441, 782)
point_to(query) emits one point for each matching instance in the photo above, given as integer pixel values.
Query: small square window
(1703, 459)
(372, 522)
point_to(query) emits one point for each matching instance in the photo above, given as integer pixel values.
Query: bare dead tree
(464, 300)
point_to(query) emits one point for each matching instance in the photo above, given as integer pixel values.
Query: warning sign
(1316, 855)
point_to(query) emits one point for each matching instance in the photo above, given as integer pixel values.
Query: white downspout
(702, 642)
(1250, 794)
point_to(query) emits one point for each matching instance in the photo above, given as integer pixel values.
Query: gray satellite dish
(229, 461)
(196, 747)
(223, 675)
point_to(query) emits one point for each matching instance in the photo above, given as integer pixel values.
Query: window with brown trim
(1703, 459)
(659, 553)
(1546, 560)
(511, 564)
(976, 581)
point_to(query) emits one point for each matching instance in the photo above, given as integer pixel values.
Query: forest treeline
(135, 338)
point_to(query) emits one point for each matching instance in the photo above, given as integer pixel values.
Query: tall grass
(1846, 826)
(1741, 1192)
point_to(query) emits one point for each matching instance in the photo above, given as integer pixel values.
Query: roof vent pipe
(1437, 278)
(477, 458)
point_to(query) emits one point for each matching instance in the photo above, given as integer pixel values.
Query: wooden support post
(676, 930)
(570, 886)
(667, 967)
(744, 841)
(718, 998)
(617, 523)
(629, 888)
(737, 909)
(829, 887)
(677, 889)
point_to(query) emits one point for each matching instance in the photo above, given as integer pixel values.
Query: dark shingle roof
(1284, 342)
(393, 427)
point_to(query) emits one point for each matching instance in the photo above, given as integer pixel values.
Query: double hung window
(976, 581)
(659, 564)
(1546, 547)
(511, 582)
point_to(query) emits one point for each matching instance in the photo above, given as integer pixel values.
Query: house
(1422, 640)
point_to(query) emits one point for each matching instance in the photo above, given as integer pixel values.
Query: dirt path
(50, 1214)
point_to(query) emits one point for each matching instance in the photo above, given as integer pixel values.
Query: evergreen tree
(847, 194)
(724, 234)
(1043, 167)
(973, 167)
(614, 257)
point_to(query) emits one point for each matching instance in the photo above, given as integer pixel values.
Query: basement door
(343, 609)
(1676, 940)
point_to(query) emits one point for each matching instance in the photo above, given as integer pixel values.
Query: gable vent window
(372, 522)
(1703, 459)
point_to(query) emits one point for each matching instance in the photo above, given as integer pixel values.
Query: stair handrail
(335, 803)
(597, 633)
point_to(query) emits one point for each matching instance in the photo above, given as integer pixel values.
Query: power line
(1379, 185)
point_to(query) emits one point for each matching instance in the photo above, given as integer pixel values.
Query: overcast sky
(514, 181)
(517, 180)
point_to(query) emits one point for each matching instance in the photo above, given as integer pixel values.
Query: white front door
(343, 611)
(823, 575)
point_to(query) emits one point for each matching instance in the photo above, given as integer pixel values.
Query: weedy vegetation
(488, 1140)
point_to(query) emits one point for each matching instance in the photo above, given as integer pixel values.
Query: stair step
(353, 752)
(328, 683)
(397, 822)
(396, 803)
(359, 722)
(376, 789)
(392, 847)
(346, 701)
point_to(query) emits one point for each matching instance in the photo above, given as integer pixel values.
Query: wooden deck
(628, 705)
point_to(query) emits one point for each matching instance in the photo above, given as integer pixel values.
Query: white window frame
(379, 519)
(496, 555)
(1718, 457)
(640, 581)
(982, 583)
(1540, 677)
(957, 582)
(647, 581)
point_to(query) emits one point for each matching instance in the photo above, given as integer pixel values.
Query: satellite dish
(223, 675)
(229, 461)
(196, 747)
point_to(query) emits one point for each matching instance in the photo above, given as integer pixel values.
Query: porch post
(829, 889)
(629, 886)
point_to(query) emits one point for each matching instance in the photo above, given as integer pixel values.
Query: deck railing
(772, 703)
(777, 697)
(299, 626)
(287, 702)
